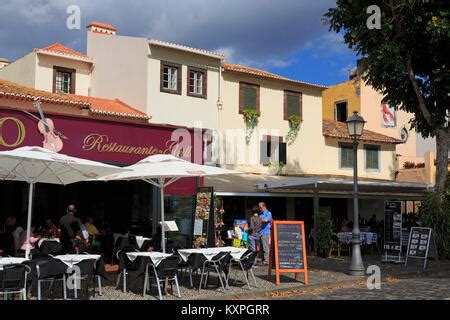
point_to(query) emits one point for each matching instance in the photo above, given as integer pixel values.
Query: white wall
(21, 71)
(44, 73)
(182, 109)
(120, 68)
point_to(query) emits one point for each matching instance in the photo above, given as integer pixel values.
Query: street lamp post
(355, 126)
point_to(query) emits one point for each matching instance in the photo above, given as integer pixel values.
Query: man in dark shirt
(255, 228)
(69, 225)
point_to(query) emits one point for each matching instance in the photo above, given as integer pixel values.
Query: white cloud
(258, 32)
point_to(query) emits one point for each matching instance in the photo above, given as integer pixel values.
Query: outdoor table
(140, 240)
(72, 259)
(210, 253)
(154, 256)
(4, 261)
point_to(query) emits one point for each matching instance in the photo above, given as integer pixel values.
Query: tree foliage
(406, 58)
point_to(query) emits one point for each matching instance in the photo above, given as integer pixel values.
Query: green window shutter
(346, 156)
(292, 105)
(249, 98)
(372, 158)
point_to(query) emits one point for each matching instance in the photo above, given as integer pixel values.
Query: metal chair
(194, 264)
(50, 270)
(14, 280)
(86, 272)
(219, 264)
(244, 264)
(125, 265)
(165, 272)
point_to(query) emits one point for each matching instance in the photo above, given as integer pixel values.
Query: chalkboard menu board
(290, 246)
(421, 244)
(288, 252)
(392, 231)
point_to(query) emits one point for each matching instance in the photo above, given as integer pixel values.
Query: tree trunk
(442, 145)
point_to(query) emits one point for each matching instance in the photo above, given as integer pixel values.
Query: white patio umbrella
(39, 165)
(162, 170)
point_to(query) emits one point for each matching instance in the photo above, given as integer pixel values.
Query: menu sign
(392, 230)
(420, 242)
(288, 249)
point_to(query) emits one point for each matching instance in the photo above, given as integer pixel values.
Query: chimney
(102, 28)
(4, 62)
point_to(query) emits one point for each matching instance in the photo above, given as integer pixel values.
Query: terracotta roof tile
(269, 75)
(111, 107)
(101, 25)
(15, 91)
(334, 129)
(62, 50)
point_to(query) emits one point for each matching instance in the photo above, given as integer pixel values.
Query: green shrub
(323, 233)
(437, 217)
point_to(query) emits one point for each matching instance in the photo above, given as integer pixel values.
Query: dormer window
(63, 80)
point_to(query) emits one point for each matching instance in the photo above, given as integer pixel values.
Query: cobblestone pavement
(326, 276)
(426, 288)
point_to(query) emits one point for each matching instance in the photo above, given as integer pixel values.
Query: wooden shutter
(282, 152)
(264, 157)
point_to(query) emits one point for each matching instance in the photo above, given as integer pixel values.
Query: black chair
(218, 264)
(126, 265)
(83, 270)
(132, 242)
(14, 280)
(49, 270)
(194, 264)
(244, 264)
(50, 247)
(165, 272)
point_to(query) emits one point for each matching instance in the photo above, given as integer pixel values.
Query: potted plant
(251, 121)
(323, 233)
(294, 127)
(276, 168)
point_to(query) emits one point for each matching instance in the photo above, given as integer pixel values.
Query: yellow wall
(345, 91)
(371, 111)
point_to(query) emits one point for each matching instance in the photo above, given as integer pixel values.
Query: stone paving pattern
(327, 280)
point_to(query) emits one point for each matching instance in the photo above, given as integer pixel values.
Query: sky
(286, 37)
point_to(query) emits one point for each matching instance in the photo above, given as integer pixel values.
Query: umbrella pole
(30, 210)
(163, 236)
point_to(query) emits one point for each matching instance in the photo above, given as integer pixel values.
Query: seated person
(91, 228)
(345, 226)
(33, 239)
(50, 230)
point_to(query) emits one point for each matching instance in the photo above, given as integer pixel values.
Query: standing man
(255, 228)
(69, 225)
(266, 222)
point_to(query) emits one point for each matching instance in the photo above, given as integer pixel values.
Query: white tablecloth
(47, 239)
(10, 260)
(366, 237)
(155, 256)
(72, 259)
(209, 253)
(140, 240)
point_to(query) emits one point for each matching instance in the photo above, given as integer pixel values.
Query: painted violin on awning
(47, 128)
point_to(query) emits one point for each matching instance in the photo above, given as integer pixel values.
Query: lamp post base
(357, 271)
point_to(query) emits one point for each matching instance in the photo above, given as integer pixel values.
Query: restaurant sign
(115, 142)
